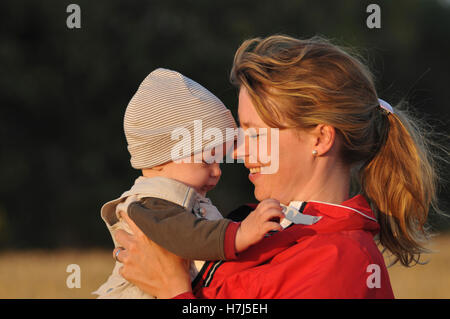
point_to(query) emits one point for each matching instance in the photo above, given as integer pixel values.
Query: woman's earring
(314, 152)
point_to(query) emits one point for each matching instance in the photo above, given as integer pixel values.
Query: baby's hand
(258, 223)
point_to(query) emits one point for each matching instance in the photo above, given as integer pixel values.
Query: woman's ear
(324, 137)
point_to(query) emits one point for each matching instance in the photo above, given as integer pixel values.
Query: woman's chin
(259, 194)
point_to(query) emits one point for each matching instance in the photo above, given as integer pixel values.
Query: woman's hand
(152, 268)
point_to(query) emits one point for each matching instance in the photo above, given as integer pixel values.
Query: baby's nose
(216, 171)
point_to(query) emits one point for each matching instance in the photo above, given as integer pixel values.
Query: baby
(168, 201)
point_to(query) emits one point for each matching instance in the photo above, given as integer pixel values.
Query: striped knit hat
(167, 100)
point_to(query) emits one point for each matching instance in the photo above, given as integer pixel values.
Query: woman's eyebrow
(246, 124)
(249, 124)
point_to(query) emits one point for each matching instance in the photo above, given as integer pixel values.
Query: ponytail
(401, 182)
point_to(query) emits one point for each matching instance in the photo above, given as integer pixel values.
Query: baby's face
(202, 176)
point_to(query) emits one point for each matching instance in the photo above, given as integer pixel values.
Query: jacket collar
(352, 214)
(159, 187)
(302, 210)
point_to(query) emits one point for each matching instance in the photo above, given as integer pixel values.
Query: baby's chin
(202, 193)
(204, 190)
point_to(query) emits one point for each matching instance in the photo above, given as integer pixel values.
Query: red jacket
(334, 258)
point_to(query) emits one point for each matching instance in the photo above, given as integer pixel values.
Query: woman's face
(295, 162)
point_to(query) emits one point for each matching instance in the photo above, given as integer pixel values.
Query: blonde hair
(299, 84)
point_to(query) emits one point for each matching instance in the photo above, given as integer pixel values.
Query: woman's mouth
(255, 173)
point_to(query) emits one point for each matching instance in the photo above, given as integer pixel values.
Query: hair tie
(385, 105)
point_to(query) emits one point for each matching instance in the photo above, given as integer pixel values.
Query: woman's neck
(329, 183)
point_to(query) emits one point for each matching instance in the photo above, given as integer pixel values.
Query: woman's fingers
(125, 242)
(123, 239)
(120, 254)
(116, 251)
(133, 227)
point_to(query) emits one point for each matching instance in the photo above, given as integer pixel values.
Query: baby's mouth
(207, 188)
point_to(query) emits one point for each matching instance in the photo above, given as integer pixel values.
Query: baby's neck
(152, 173)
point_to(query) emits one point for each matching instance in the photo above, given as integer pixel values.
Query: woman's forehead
(247, 115)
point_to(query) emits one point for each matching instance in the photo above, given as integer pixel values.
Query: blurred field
(41, 274)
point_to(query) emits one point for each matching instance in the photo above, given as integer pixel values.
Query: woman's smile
(255, 173)
(254, 170)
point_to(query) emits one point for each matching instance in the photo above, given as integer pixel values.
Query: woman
(334, 131)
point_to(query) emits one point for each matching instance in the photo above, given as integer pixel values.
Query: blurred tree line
(63, 91)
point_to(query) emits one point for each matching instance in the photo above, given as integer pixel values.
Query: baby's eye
(208, 161)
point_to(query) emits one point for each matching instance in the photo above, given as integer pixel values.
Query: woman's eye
(255, 134)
